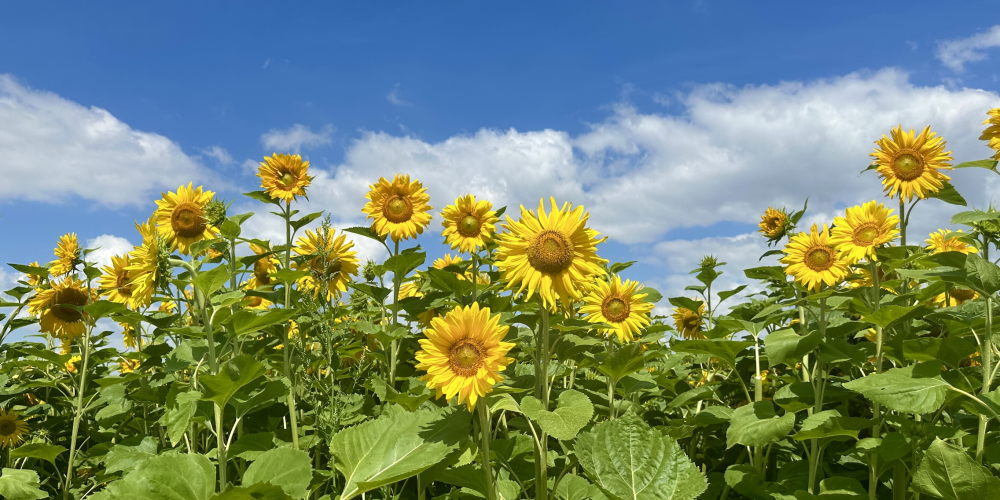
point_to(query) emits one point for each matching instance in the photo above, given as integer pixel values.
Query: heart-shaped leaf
(573, 411)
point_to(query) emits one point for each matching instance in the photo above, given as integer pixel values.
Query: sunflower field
(521, 365)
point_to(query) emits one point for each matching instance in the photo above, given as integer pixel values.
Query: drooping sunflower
(12, 429)
(619, 305)
(55, 318)
(146, 263)
(34, 280)
(911, 164)
(945, 240)
(130, 337)
(67, 255)
(284, 176)
(264, 267)
(992, 133)
(115, 283)
(550, 254)
(127, 365)
(955, 297)
(331, 261)
(71, 365)
(812, 260)
(253, 301)
(398, 208)
(689, 324)
(468, 224)
(773, 223)
(181, 218)
(464, 353)
(864, 229)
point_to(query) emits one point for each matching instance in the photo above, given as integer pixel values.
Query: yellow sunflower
(864, 228)
(865, 281)
(68, 255)
(773, 223)
(181, 219)
(331, 261)
(689, 324)
(12, 429)
(992, 133)
(127, 366)
(464, 354)
(144, 264)
(254, 302)
(34, 280)
(264, 267)
(70, 365)
(55, 317)
(130, 337)
(620, 305)
(167, 306)
(115, 283)
(468, 224)
(812, 260)
(955, 297)
(284, 176)
(910, 164)
(398, 208)
(947, 241)
(551, 254)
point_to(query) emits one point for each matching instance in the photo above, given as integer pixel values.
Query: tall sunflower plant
(209, 364)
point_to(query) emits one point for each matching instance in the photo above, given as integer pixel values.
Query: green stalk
(78, 414)
(542, 393)
(484, 448)
(876, 408)
(611, 383)
(220, 434)
(286, 345)
(819, 383)
(986, 354)
(758, 396)
(394, 345)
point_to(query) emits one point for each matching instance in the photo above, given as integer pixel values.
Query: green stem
(394, 345)
(986, 354)
(758, 396)
(78, 414)
(611, 383)
(484, 448)
(542, 392)
(286, 345)
(876, 408)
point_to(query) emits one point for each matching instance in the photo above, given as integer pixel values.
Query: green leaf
(178, 414)
(916, 388)
(402, 264)
(104, 308)
(948, 472)
(629, 460)
(252, 446)
(236, 373)
(757, 425)
(305, 219)
(948, 194)
(32, 270)
(983, 274)
(396, 446)
(889, 315)
(987, 164)
(366, 232)
(286, 467)
(788, 345)
(125, 458)
(618, 267)
(210, 281)
(686, 303)
(289, 276)
(652, 295)
(830, 424)
(573, 411)
(170, 476)
(263, 197)
(746, 481)
(948, 350)
(729, 293)
(573, 487)
(259, 491)
(20, 484)
(725, 350)
(247, 321)
(44, 451)
(376, 292)
(626, 360)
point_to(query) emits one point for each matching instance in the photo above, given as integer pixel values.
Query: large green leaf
(758, 424)
(788, 345)
(947, 472)
(236, 373)
(125, 458)
(916, 388)
(725, 350)
(20, 484)
(948, 350)
(626, 360)
(288, 468)
(572, 412)
(259, 491)
(396, 446)
(890, 315)
(402, 264)
(210, 281)
(983, 274)
(171, 476)
(44, 451)
(830, 424)
(179, 410)
(746, 481)
(246, 321)
(629, 460)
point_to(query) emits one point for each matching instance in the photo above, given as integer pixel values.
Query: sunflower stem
(611, 383)
(542, 393)
(78, 414)
(484, 448)
(394, 345)
(986, 354)
(876, 408)
(286, 345)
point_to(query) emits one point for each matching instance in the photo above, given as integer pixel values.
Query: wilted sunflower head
(992, 133)
(468, 224)
(398, 208)
(688, 323)
(284, 176)
(945, 240)
(910, 164)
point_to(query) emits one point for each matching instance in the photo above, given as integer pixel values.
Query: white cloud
(220, 155)
(107, 245)
(54, 148)
(393, 97)
(956, 53)
(266, 63)
(296, 137)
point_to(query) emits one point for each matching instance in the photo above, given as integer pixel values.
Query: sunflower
(331, 261)
(773, 223)
(68, 255)
(446, 261)
(264, 267)
(70, 365)
(464, 354)
(253, 301)
(955, 297)
(284, 176)
(146, 264)
(468, 224)
(167, 306)
(398, 208)
(812, 260)
(34, 280)
(12, 429)
(910, 165)
(115, 283)
(689, 323)
(55, 317)
(130, 337)
(864, 228)
(865, 281)
(181, 219)
(127, 366)
(620, 305)
(947, 241)
(551, 254)
(992, 133)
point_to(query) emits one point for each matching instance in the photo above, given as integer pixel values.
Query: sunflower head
(59, 315)
(130, 337)
(945, 240)
(116, 284)
(264, 267)
(331, 262)
(71, 365)
(35, 280)
(127, 365)
(688, 323)
(284, 176)
(550, 253)
(955, 297)
(620, 305)
(463, 354)
(215, 213)
(12, 429)
(469, 224)
(863, 229)
(398, 208)
(148, 265)
(182, 217)
(774, 224)
(68, 255)
(910, 164)
(812, 259)
(992, 133)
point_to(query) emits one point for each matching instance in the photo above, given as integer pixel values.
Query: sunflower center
(7, 428)
(288, 179)
(469, 226)
(398, 209)
(333, 266)
(260, 271)
(123, 284)
(188, 220)
(692, 322)
(466, 357)
(255, 301)
(819, 258)
(69, 297)
(865, 234)
(550, 252)
(615, 310)
(908, 166)
(962, 294)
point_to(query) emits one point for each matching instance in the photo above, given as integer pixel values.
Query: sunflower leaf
(949, 194)
(948, 472)
(20, 484)
(987, 164)
(262, 196)
(366, 232)
(305, 219)
(573, 411)
(758, 424)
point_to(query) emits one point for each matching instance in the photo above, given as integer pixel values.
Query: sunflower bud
(215, 213)
(369, 271)
(709, 262)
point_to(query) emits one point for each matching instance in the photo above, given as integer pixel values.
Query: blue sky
(646, 112)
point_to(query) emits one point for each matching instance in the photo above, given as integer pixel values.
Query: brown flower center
(819, 258)
(123, 284)
(260, 271)
(550, 251)
(865, 234)
(255, 301)
(398, 209)
(332, 267)
(466, 357)
(615, 310)
(7, 428)
(188, 220)
(908, 165)
(962, 294)
(469, 226)
(71, 297)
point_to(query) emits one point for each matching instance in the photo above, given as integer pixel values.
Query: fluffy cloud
(296, 137)
(393, 97)
(956, 53)
(54, 148)
(220, 155)
(107, 245)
